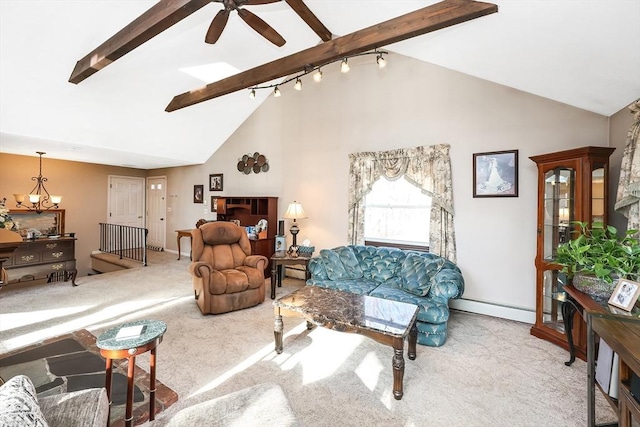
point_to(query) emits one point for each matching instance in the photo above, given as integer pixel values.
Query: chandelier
(39, 197)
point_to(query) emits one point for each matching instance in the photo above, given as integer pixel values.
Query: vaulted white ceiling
(582, 53)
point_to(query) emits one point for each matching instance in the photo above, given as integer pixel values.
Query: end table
(276, 269)
(128, 348)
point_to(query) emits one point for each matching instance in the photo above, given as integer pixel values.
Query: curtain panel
(628, 196)
(426, 167)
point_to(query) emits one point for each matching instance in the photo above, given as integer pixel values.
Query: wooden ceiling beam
(158, 18)
(422, 21)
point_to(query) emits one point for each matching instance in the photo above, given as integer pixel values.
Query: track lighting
(317, 72)
(344, 67)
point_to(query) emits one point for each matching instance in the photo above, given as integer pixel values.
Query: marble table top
(351, 310)
(152, 330)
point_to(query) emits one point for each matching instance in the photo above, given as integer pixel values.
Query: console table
(181, 234)
(623, 336)
(621, 330)
(44, 258)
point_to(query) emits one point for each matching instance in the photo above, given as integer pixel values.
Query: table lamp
(295, 211)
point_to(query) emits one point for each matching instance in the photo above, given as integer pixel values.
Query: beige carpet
(491, 372)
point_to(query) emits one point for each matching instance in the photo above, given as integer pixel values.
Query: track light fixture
(317, 72)
(344, 66)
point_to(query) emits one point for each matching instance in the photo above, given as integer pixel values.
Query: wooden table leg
(107, 384)
(413, 340)
(152, 385)
(128, 419)
(398, 367)
(277, 330)
(179, 246)
(274, 271)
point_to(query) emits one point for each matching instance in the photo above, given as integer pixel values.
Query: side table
(276, 269)
(181, 234)
(128, 348)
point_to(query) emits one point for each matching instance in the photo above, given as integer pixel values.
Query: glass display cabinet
(572, 186)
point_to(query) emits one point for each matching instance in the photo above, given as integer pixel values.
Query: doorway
(126, 201)
(156, 212)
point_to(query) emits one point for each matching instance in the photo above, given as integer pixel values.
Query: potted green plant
(598, 257)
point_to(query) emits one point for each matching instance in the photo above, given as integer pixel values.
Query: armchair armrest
(447, 284)
(200, 269)
(256, 261)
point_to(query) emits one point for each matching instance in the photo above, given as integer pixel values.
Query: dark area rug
(72, 362)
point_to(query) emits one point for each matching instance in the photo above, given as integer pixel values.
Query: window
(397, 214)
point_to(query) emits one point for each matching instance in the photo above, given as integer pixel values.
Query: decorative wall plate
(255, 162)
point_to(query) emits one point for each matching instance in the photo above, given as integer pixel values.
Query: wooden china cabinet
(572, 186)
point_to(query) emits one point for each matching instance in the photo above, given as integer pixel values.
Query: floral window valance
(426, 167)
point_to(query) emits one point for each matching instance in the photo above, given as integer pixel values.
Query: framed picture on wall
(214, 204)
(215, 182)
(495, 174)
(198, 194)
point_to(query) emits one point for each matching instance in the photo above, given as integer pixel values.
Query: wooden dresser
(51, 259)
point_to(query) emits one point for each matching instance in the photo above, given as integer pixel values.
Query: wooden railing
(124, 241)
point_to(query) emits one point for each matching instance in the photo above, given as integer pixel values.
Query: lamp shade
(295, 211)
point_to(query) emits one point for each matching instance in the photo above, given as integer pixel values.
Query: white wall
(308, 135)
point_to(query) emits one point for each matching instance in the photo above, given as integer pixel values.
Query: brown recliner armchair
(226, 277)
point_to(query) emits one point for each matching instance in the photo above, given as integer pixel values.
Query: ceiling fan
(221, 18)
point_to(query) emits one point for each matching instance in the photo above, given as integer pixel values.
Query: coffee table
(387, 322)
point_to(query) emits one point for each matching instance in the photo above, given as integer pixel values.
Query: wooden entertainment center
(250, 210)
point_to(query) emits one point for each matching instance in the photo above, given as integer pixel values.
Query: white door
(156, 211)
(126, 201)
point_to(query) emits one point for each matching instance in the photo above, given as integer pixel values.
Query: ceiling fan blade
(261, 27)
(310, 18)
(255, 2)
(216, 27)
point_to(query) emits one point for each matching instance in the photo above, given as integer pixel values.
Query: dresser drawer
(26, 257)
(57, 254)
(41, 271)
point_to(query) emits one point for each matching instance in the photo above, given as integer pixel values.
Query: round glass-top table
(126, 341)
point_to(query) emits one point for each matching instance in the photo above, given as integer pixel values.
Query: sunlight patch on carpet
(16, 320)
(266, 353)
(369, 370)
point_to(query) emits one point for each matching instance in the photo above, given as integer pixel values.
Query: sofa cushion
(354, 286)
(83, 408)
(349, 262)
(333, 265)
(19, 404)
(385, 263)
(416, 273)
(431, 311)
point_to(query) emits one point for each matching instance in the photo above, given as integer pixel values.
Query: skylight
(209, 73)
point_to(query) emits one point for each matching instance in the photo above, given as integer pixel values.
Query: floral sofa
(420, 278)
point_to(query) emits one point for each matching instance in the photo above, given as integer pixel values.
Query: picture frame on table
(198, 194)
(214, 204)
(625, 295)
(495, 174)
(215, 182)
